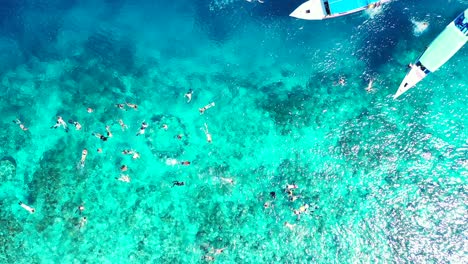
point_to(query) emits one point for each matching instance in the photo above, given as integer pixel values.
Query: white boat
(322, 9)
(444, 46)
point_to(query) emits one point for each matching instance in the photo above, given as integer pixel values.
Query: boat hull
(444, 46)
(415, 75)
(325, 9)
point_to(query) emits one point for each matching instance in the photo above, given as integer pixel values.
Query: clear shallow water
(385, 180)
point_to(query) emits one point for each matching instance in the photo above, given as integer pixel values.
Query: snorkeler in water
(217, 251)
(122, 125)
(273, 195)
(291, 186)
(135, 155)
(123, 178)
(188, 95)
(109, 133)
(21, 125)
(206, 107)
(293, 198)
(208, 258)
(83, 222)
(27, 208)
(84, 153)
(341, 81)
(301, 210)
(134, 106)
(207, 133)
(121, 106)
(60, 123)
(76, 124)
(369, 86)
(101, 137)
(143, 127)
(80, 209)
(290, 226)
(177, 183)
(226, 180)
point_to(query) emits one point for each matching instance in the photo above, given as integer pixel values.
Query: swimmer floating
(143, 127)
(122, 125)
(75, 123)
(206, 107)
(123, 178)
(84, 154)
(177, 183)
(60, 123)
(207, 134)
(20, 124)
(27, 208)
(188, 95)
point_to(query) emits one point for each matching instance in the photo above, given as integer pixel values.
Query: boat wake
(373, 12)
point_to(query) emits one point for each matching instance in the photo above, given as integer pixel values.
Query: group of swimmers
(60, 123)
(303, 209)
(289, 190)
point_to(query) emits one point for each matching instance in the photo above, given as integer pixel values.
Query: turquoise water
(385, 180)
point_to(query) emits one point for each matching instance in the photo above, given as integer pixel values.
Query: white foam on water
(419, 27)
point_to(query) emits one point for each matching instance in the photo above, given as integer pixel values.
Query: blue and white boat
(322, 9)
(444, 46)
